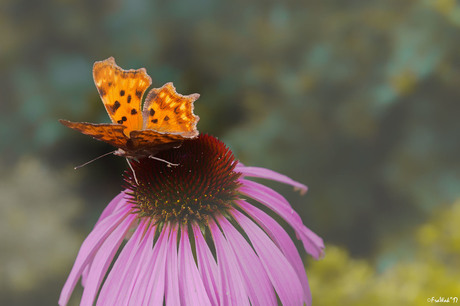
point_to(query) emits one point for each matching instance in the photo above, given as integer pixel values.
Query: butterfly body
(165, 121)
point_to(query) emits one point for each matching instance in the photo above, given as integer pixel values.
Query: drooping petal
(88, 249)
(102, 260)
(231, 280)
(192, 291)
(147, 287)
(172, 273)
(270, 175)
(117, 203)
(279, 270)
(207, 266)
(156, 285)
(123, 269)
(282, 240)
(313, 244)
(256, 280)
(272, 193)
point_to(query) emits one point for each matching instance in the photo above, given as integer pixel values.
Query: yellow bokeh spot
(431, 271)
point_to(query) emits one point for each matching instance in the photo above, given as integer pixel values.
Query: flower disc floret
(202, 184)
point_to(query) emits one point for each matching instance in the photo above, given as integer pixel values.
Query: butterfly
(164, 122)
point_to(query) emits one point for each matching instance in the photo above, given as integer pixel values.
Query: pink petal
(283, 241)
(155, 288)
(270, 175)
(207, 266)
(278, 268)
(231, 280)
(313, 244)
(87, 250)
(148, 284)
(103, 259)
(137, 289)
(192, 291)
(272, 193)
(123, 269)
(256, 280)
(118, 202)
(172, 273)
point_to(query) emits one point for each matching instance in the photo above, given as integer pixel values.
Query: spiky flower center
(204, 182)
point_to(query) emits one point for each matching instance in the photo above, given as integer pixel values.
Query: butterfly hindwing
(166, 111)
(121, 92)
(152, 141)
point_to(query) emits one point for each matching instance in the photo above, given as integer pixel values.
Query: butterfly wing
(149, 142)
(165, 121)
(110, 133)
(166, 111)
(121, 92)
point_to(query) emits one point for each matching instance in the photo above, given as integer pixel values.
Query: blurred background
(356, 99)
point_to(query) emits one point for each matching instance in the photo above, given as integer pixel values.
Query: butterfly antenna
(164, 161)
(94, 159)
(132, 169)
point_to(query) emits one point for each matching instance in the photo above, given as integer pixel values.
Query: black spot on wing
(133, 111)
(115, 106)
(139, 93)
(102, 92)
(122, 93)
(123, 119)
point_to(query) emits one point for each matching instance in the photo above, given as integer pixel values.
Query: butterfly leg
(132, 169)
(162, 160)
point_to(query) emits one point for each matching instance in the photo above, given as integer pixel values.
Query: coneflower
(195, 236)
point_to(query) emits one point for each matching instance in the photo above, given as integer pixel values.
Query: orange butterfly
(165, 121)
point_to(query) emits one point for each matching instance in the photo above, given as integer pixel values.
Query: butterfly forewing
(121, 92)
(110, 133)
